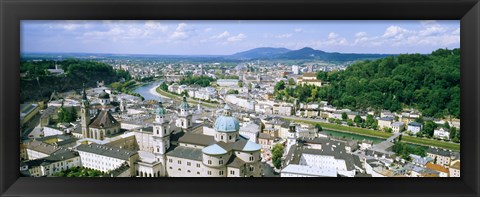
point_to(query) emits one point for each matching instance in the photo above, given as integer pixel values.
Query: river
(341, 135)
(146, 91)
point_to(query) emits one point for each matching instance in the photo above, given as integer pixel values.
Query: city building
(397, 127)
(103, 124)
(414, 127)
(441, 133)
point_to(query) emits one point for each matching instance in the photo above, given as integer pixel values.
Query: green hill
(429, 83)
(38, 83)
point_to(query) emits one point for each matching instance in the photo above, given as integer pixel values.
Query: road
(268, 171)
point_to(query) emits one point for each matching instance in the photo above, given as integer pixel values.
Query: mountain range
(307, 53)
(262, 53)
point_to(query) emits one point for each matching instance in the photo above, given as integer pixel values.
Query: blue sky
(228, 37)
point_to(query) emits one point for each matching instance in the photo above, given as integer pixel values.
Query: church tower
(161, 137)
(184, 115)
(123, 105)
(161, 131)
(292, 135)
(85, 113)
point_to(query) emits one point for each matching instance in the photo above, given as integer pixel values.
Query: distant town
(154, 117)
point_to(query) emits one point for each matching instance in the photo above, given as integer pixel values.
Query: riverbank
(153, 91)
(172, 96)
(383, 135)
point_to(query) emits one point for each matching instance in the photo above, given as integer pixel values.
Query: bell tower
(85, 114)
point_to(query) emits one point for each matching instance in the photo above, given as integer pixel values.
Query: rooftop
(185, 152)
(106, 151)
(310, 170)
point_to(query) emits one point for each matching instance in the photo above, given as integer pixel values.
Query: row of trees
(79, 172)
(202, 81)
(404, 150)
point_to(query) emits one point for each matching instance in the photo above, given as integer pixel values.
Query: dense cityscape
(264, 112)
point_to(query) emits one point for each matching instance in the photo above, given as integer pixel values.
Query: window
(170, 160)
(198, 172)
(251, 168)
(171, 167)
(232, 172)
(220, 172)
(189, 164)
(209, 172)
(210, 162)
(179, 162)
(229, 137)
(198, 165)
(251, 158)
(222, 137)
(179, 169)
(220, 162)
(188, 171)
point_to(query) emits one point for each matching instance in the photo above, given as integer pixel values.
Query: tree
(279, 86)
(277, 153)
(357, 120)
(337, 121)
(164, 86)
(291, 81)
(344, 116)
(232, 91)
(446, 125)
(319, 127)
(429, 127)
(240, 84)
(349, 122)
(185, 93)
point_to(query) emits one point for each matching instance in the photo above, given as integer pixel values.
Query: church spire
(84, 96)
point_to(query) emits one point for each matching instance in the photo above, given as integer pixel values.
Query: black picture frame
(12, 11)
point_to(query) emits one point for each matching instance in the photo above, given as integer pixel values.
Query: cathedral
(169, 148)
(181, 153)
(102, 125)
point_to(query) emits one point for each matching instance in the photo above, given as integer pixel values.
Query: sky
(196, 37)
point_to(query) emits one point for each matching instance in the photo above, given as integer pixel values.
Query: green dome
(160, 110)
(184, 105)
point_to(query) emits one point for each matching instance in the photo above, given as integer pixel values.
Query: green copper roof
(160, 110)
(184, 104)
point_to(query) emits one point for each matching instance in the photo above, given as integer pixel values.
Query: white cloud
(361, 34)
(208, 29)
(394, 31)
(284, 36)
(222, 35)
(237, 38)
(111, 32)
(298, 30)
(432, 30)
(153, 25)
(332, 35)
(182, 32)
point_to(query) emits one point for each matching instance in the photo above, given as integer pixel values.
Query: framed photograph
(297, 97)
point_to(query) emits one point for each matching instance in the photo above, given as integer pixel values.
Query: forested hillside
(37, 83)
(429, 83)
